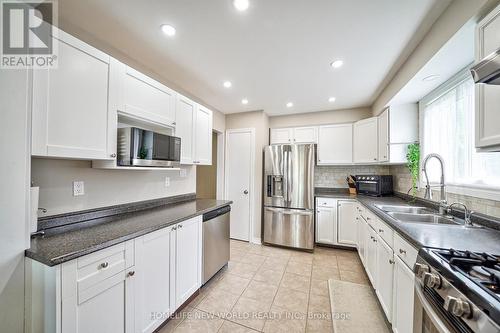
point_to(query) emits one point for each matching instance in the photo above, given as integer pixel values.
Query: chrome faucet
(467, 212)
(428, 192)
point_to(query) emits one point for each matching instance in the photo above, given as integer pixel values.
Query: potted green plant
(413, 157)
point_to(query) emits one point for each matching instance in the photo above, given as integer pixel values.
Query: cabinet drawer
(405, 251)
(385, 232)
(370, 218)
(98, 266)
(326, 202)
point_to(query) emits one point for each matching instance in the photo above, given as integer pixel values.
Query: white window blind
(447, 120)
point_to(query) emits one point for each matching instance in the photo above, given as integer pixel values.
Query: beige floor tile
(251, 258)
(291, 300)
(303, 257)
(250, 313)
(329, 261)
(298, 268)
(246, 271)
(232, 284)
(260, 291)
(347, 254)
(236, 254)
(318, 326)
(269, 276)
(319, 307)
(280, 253)
(230, 327)
(350, 264)
(204, 291)
(275, 264)
(296, 282)
(325, 273)
(283, 321)
(319, 287)
(218, 302)
(354, 277)
(176, 320)
(199, 322)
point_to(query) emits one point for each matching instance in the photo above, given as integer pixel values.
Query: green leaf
(413, 156)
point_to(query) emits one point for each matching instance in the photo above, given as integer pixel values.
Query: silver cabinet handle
(402, 251)
(380, 230)
(174, 123)
(131, 273)
(174, 228)
(104, 265)
(245, 192)
(391, 261)
(113, 155)
(180, 226)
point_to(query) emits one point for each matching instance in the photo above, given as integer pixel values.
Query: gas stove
(462, 287)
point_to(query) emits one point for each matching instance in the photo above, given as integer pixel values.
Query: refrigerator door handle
(289, 211)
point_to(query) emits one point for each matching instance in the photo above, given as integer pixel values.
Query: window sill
(471, 190)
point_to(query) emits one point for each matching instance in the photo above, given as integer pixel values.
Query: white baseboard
(256, 240)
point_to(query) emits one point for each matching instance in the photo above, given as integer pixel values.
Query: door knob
(245, 191)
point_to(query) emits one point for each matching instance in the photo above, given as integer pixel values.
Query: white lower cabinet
(325, 222)
(385, 274)
(346, 223)
(371, 255)
(403, 300)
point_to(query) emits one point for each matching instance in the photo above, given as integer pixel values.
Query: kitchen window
(447, 128)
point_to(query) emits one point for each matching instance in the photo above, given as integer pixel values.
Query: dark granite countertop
(426, 235)
(86, 237)
(339, 193)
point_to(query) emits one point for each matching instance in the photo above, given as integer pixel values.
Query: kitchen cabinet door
(361, 238)
(185, 115)
(104, 307)
(187, 259)
(203, 136)
(154, 264)
(403, 299)
(371, 255)
(335, 144)
(305, 134)
(346, 223)
(325, 225)
(366, 141)
(146, 98)
(70, 103)
(281, 135)
(385, 260)
(383, 136)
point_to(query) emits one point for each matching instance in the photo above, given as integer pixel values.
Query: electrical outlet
(78, 188)
(167, 181)
(183, 173)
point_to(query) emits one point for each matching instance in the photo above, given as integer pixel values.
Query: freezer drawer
(289, 227)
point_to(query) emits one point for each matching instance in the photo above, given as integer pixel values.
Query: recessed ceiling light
(227, 84)
(168, 30)
(331, 99)
(244, 101)
(289, 104)
(337, 64)
(430, 78)
(241, 5)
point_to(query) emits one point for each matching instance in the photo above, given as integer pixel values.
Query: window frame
(474, 190)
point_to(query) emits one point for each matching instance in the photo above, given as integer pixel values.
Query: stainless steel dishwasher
(215, 241)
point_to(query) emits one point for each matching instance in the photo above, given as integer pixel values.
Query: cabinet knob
(380, 230)
(375, 159)
(174, 228)
(174, 123)
(104, 265)
(391, 261)
(131, 273)
(180, 226)
(113, 155)
(245, 192)
(402, 251)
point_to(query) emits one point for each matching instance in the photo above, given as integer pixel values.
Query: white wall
(14, 178)
(102, 187)
(320, 118)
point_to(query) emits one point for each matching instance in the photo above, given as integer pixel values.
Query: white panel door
(334, 144)
(383, 136)
(154, 262)
(361, 237)
(239, 178)
(385, 272)
(203, 136)
(187, 259)
(305, 134)
(403, 299)
(366, 141)
(70, 103)
(281, 135)
(488, 96)
(147, 99)
(185, 115)
(346, 222)
(371, 255)
(325, 225)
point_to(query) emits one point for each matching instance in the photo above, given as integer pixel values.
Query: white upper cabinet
(185, 114)
(144, 98)
(334, 144)
(488, 96)
(366, 141)
(383, 136)
(281, 135)
(203, 136)
(307, 134)
(70, 103)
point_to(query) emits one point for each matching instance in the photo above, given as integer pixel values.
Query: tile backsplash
(402, 183)
(334, 176)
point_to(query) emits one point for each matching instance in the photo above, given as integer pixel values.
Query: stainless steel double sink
(412, 214)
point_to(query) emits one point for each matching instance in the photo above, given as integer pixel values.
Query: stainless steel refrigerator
(289, 195)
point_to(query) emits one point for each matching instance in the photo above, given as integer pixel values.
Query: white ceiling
(277, 51)
(455, 55)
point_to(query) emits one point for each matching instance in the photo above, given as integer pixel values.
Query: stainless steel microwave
(143, 148)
